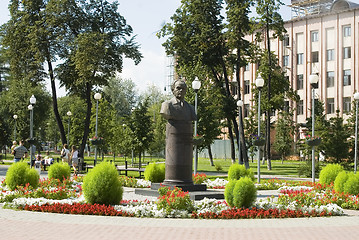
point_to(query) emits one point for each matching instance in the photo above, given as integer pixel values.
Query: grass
(288, 168)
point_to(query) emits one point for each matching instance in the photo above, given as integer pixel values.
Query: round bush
(340, 180)
(237, 171)
(155, 172)
(351, 186)
(59, 171)
(19, 174)
(33, 177)
(329, 173)
(244, 193)
(102, 185)
(228, 192)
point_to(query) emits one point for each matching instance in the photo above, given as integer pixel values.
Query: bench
(126, 169)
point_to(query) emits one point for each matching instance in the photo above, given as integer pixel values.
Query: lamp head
(196, 84)
(69, 113)
(313, 80)
(239, 103)
(32, 100)
(259, 81)
(97, 96)
(15, 116)
(30, 107)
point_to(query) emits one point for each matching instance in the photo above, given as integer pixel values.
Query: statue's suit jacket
(174, 109)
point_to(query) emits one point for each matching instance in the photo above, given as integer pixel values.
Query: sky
(146, 17)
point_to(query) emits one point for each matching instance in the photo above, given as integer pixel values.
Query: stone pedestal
(179, 153)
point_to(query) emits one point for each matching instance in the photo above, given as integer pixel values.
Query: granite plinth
(184, 187)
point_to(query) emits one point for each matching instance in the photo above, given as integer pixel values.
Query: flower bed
(296, 199)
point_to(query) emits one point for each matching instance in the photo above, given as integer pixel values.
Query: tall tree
(270, 25)
(97, 39)
(197, 36)
(31, 43)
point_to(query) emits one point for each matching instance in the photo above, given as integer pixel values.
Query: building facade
(325, 43)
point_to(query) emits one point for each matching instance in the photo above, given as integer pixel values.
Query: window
(299, 81)
(299, 58)
(347, 52)
(286, 106)
(330, 55)
(330, 79)
(300, 108)
(246, 110)
(315, 36)
(286, 41)
(246, 87)
(234, 90)
(286, 60)
(330, 105)
(347, 31)
(346, 104)
(347, 77)
(315, 57)
(247, 67)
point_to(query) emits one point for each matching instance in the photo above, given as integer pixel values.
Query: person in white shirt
(75, 159)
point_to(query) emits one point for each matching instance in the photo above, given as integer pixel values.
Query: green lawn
(288, 168)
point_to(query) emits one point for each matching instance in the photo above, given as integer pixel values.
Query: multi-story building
(321, 38)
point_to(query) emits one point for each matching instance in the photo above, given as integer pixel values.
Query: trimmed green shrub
(244, 193)
(102, 185)
(351, 186)
(59, 171)
(237, 171)
(155, 172)
(340, 180)
(329, 173)
(19, 174)
(228, 192)
(33, 177)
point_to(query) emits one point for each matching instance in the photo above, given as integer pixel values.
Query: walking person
(65, 154)
(74, 159)
(20, 152)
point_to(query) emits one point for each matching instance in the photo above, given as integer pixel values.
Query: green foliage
(236, 171)
(59, 171)
(19, 174)
(285, 128)
(218, 167)
(335, 139)
(340, 180)
(228, 192)
(328, 174)
(351, 186)
(155, 172)
(305, 169)
(244, 193)
(102, 185)
(175, 199)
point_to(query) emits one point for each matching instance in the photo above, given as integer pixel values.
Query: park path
(19, 225)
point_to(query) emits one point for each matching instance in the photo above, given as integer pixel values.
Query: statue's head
(179, 88)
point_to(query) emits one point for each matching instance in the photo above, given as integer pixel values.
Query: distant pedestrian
(74, 159)
(14, 145)
(20, 152)
(65, 154)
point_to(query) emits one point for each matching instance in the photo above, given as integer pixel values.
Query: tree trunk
(210, 155)
(231, 138)
(87, 120)
(54, 102)
(268, 156)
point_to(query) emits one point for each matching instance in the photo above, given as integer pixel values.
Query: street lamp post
(97, 97)
(239, 104)
(69, 114)
(196, 85)
(259, 84)
(313, 80)
(31, 108)
(356, 97)
(15, 117)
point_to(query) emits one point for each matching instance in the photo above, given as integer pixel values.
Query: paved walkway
(44, 226)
